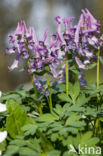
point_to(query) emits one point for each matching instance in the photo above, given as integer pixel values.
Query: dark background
(40, 14)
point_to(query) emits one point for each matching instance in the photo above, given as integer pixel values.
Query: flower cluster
(77, 41)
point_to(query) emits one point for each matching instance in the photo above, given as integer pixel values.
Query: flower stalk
(50, 97)
(97, 122)
(35, 90)
(67, 77)
(31, 76)
(98, 69)
(40, 109)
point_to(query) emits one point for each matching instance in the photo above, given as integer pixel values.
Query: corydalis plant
(77, 43)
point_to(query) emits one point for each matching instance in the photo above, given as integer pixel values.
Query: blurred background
(40, 14)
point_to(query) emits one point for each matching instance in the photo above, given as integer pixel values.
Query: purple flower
(71, 27)
(66, 20)
(21, 29)
(81, 78)
(15, 64)
(80, 63)
(87, 24)
(45, 35)
(59, 21)
(39, 86)
(80, 23)
(79, 42)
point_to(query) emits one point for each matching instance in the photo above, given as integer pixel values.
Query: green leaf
(64, 97)
(45, 143)
(87, 139)
(29, 129)
(47, 118)
(82, 100)
(22, 69)
(74, 91)
(3, 145)
(25, 151)
(11, 150)
(16, 119)
(59, 109)
(54, 153)
(76, 108)
(19, 142)
(12, 95)
(74, 69)
(54, 137)
(91, 66)
(61, 86)
(74, 121)
(101, 60)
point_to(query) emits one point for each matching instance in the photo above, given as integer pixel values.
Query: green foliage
(16, 118)
(75, 119)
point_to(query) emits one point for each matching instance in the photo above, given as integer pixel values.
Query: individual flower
(82, 81)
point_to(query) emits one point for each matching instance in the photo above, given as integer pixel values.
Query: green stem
(50, 97)
(31, 76)
(36, 95)
(35, 90)
(40, 109)
(98, 67)
(67, 78)
(97, 122)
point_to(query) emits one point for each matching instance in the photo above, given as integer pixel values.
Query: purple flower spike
(76, 39)
(52, 42)
(65, 20)
(45, 35)
(94, 21)
(21, 29)
(59, 20)
(70, 22)
(33, 34)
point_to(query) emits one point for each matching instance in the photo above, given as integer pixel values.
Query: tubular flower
(81, 78)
